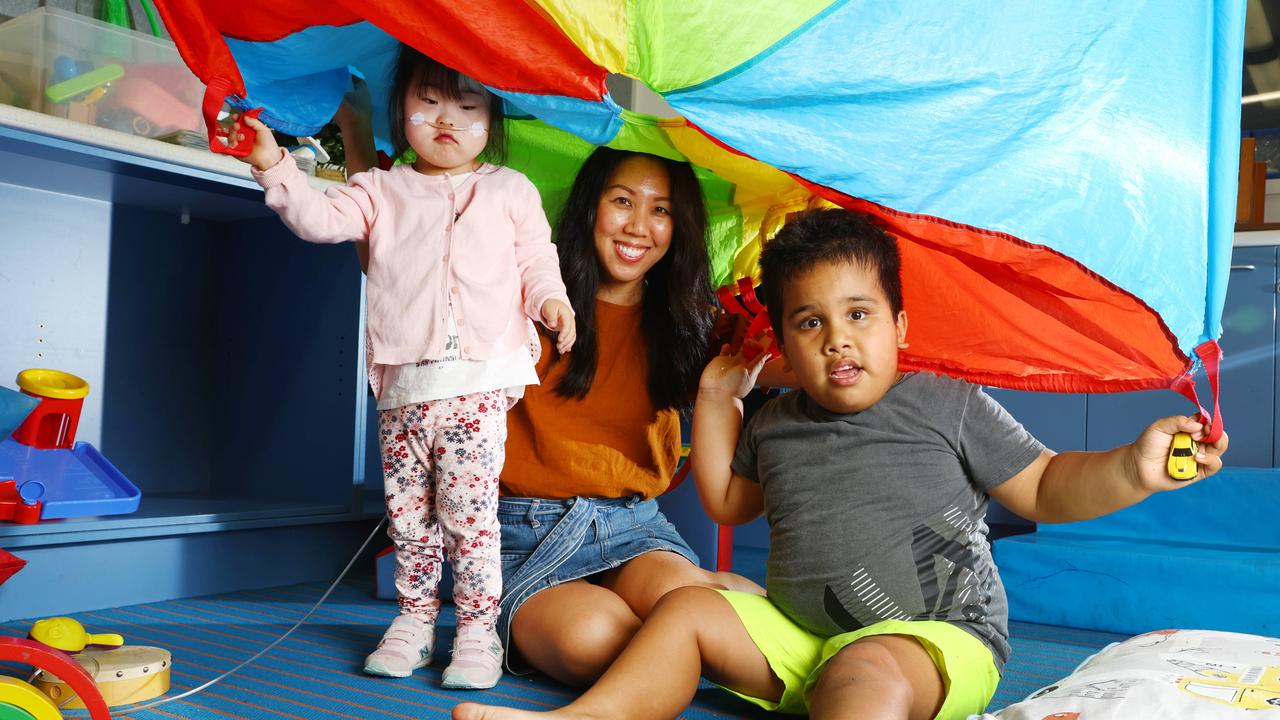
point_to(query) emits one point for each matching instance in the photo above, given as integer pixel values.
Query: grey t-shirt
(878, 515)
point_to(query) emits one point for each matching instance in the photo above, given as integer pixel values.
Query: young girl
(459, 255)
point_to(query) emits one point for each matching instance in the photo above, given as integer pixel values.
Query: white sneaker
(405, 647)
(477, 660)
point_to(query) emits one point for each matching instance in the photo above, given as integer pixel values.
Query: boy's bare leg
(879, 677)
(641, 581)
(693, 631)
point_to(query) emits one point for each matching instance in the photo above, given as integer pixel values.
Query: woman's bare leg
(692, 632)
(641, 581)
(573, 631)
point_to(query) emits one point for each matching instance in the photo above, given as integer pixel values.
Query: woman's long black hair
(677, 315)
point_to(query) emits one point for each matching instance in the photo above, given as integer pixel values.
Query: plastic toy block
(81, 84)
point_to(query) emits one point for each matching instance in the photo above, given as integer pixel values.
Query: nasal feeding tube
(477, 128)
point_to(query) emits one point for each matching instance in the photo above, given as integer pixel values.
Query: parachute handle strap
(215, 96)
(1210, 354)
(759, 337)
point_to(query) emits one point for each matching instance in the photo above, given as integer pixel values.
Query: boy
(883, 600)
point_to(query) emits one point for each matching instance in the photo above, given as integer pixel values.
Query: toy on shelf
(76, 90)
(44, 473)
(150, 101)
(18, 503)
(74, 483)
(14, 408)
(76, 67)
(81, 85)
(21, 503)
(53, 423)
(308, 154)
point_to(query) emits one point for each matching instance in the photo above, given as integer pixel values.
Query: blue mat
(315, 674)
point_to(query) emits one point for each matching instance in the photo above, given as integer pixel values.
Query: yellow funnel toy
(68, 635)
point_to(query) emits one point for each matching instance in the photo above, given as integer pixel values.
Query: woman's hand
(558, 318)
(356, 106)
(730, 374)
(266, 153)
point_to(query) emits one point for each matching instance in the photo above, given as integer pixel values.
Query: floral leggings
(440, 464)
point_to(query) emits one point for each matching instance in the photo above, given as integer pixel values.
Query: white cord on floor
(275, 642)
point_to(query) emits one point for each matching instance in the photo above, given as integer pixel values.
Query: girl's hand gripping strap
(215, 97)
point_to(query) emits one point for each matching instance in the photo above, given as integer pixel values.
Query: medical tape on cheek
(476, 129)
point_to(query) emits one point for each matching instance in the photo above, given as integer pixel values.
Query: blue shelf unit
(225, 366)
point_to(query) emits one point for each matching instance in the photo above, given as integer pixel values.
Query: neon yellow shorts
(797, 656)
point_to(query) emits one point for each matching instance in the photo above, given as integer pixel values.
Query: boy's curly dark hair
(828, 236)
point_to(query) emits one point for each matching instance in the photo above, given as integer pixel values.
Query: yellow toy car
(1182, 457)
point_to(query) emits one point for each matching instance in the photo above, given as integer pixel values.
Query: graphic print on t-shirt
(948, 585)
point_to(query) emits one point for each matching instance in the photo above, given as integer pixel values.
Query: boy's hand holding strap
(759, 336)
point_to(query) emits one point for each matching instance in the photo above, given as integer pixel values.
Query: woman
(585, 551)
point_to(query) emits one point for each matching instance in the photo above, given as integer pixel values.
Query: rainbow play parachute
(1061, 174)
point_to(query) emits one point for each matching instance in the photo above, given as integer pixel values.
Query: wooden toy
(124, 676)
(20, 700)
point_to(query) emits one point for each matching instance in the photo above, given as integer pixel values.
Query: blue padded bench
(1205, 557)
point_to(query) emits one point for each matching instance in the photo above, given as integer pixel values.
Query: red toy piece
(10, 564)
(52, 425)
(30, 652)
(15, 507)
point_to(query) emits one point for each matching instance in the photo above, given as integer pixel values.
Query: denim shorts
(548, 542)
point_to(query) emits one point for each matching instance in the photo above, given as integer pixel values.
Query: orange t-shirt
(612, 443)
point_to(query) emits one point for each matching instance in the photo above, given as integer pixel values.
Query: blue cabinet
(223, 356)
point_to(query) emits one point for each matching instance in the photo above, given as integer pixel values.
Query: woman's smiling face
(633, 227)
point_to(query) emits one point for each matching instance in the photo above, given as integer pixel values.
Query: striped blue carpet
(316, 674)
